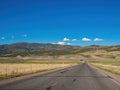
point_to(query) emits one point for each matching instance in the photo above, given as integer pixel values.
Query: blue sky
(60, 21)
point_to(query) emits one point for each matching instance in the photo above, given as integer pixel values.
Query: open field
(111, 65)
(15, 70)
(9, 70)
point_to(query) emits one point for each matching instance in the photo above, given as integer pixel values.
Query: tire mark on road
(74, 80)
(50, 87)
(64, 71)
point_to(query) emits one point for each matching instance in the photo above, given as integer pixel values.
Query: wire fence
(15, 70)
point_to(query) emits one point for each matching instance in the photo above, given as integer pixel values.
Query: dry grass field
(113, 66)
(9, 70)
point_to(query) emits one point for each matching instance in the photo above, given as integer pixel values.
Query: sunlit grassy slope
(109, 65)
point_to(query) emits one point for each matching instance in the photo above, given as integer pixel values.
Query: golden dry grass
(110, 68)
(15, 69)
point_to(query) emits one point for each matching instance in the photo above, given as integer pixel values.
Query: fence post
(31, 68)
(6, 71)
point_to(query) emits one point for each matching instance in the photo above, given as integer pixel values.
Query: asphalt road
(80, 77)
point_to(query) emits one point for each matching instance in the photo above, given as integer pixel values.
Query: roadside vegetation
(16, 69)
(112, 66)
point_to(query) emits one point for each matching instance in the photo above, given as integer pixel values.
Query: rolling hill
(26, 49)
(38, 49)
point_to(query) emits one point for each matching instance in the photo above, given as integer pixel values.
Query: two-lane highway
(80, 77)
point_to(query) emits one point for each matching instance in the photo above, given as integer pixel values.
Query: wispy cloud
(66, 39)
(68, 43)
(98, 39)
(74, 40)
(61, 43)
(24, 35)
(86, 39)
(3, 38)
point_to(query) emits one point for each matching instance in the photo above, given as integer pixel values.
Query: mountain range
(39, 49)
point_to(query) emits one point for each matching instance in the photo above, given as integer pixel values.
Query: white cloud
(2, 38)
(24, 35)
(98, 39)
(66, 39)
(86, 39)
(74, 40)
(61, 43)
(68, 43)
